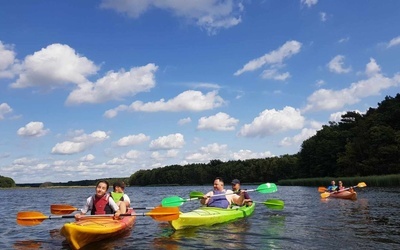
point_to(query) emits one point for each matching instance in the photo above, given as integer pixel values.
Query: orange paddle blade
(62, 209)
(164, 213)
(30, 218)
(321, 189)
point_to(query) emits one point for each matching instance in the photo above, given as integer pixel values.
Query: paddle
(270, 203)
(67, 209)
(176, 201)
(326, 195)
(32, 218)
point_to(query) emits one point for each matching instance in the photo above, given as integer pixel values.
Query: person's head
(218, 184)
(101, 187)
(333, 183)
(340, 183)
(235, 184)
(119, 186)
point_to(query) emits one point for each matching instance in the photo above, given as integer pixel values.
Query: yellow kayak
(207, 216)
(92, 229)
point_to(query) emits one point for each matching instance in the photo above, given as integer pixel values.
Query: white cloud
(115, 85)
(299, 138)
(394, 42)
(7, 61)
(319, 83)
(219, 122)
(33, 129)
(336, 65)
(309, 3)
(272, 121)
(132, 140)
(274, 57)
(343, 40)
(80, 143)
(337, 116)
(54, 66)
(184, 121)
(210, 152)
(4, 109)
(88, 157)
(172, 141)
(327, 99)
(187, 101)
(210, 15)
(248, 154)
(323, 16)
(274, 74)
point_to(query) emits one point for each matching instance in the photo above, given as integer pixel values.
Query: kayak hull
(344, 195)
(91, 229)
(207, 216)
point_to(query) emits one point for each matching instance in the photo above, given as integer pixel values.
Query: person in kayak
(236, 189)
(220, 197)
(340, 186)
(332, 187)
(120, 197)
(100, 203)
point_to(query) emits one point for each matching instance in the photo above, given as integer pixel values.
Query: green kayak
(207, 216)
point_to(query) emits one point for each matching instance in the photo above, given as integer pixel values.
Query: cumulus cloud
(33, 129)
(210, 15)
(4, 109)
(394, 42)
(172, 141)
(54, 66)
(274, 58)
(7, 61)
(115, 85)
(248, 154)
(88, 157)
(309, 3)
(80, 143)
(209, 152)
(328, 99)
(275, 75)
(323, 16)
(187, 101)
(337, 116)
(336, 65)
(299, 138)
(272, 121)
(219, 122)
(131, 140)
(184, 121)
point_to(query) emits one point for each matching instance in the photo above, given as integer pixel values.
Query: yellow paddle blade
(325, 195)
(30, 218)
(361, 184)
(62, 209)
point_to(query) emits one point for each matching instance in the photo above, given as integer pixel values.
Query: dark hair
(104, 181)
(120, 184)
(220, 179)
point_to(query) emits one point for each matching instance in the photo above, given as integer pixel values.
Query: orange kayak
(91, 229)
(344, 195)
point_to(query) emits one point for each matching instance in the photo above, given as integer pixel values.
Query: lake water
(306, 222)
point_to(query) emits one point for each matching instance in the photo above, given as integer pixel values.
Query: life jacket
(117, 196)
(218, 201)
(101, 205)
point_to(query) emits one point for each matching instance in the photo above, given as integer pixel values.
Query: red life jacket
(101, 206)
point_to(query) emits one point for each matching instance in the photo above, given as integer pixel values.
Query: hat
(235, 181)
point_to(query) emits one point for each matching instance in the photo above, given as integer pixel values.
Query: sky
(98, 89)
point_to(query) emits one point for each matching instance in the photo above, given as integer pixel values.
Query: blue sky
(92, 89)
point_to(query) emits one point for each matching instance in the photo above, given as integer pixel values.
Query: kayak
(344, 195)
(207, 216)
(91, 229)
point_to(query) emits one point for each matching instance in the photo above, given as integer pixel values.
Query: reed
(392, 180)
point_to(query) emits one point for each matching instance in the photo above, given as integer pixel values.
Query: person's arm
(127, 200)
(238, 199)
(114, 206)
(206, 198)
(85, 209)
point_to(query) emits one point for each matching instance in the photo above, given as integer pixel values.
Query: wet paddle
(32, 218)
(360, 185)
(68, 209)
(176, 201)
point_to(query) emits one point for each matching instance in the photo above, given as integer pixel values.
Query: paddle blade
(322, 189)
(196, 194)
(164, 213)
(172, 201)
(325, 195)
(62, 209)
(267, 188)
(30, 218)
(361, 184)
(274, 204)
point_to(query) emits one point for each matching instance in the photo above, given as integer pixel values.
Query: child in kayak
(120, 197)
(236, 189)
(100, 203)
(220, 197)
(332, 187)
